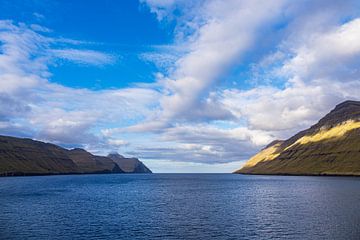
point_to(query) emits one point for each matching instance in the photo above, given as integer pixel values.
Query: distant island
(23, 156)
(330, 147)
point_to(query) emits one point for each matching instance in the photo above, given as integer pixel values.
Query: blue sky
(187, 86)
(124, 30)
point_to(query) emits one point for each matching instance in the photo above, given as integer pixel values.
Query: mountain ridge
(25, 156)
(329, 147)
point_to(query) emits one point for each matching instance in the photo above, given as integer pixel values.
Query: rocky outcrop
(330, 147)
(129, 165)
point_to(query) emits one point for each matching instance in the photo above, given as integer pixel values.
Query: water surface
(179, 206)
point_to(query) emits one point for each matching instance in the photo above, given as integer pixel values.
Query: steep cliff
(129, 165)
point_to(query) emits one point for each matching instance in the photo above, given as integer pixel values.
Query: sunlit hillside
(331, 147)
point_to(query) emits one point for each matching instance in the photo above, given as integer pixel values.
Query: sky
(186, 86)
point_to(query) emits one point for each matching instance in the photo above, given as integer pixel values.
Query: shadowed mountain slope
(129, 165)
(22, 156)
(88, 162)
(25, 156)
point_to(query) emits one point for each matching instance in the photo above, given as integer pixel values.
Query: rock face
(330, 147)
(129, 165)
(21, 156)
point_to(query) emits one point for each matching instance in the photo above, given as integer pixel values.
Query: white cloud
(165, 166)
(333, 54)
(223, 33)
(204, 143)
(160, 7)
(313, 68)
(66, 115)
(118, 142)
(51, 112)
(321, 72)
(309, 63)
(162, 60)
(208, 57)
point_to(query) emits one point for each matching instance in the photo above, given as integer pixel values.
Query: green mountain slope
(88, 162)
(25, 156)
(330, 147)
(22, 156)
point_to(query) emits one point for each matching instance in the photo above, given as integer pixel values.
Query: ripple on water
(179, 206)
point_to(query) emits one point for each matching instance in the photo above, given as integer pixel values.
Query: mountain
(129, 165)
(88, 162)
(23, 156)
(330, 147)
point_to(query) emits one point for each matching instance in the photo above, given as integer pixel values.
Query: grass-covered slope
(25, 156)
(21, 156)
(330, 147)
(89, 163)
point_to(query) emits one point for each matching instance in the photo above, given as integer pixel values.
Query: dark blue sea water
(179, 206)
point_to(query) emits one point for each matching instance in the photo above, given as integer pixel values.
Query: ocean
(179, 206)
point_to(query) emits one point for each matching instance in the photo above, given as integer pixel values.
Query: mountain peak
(130, 165)
(347, 103)
(348, 110)
(79, 150)
(115, 155)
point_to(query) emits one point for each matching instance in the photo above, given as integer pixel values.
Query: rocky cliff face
(330, 147)
(20, 156)
(129, 165)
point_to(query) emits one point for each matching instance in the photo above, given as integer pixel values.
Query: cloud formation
(297, 60)
(84, 56)
(312, 68)
(320, 72)
(31, 105)
(232, 25)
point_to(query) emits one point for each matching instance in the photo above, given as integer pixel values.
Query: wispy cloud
(84, 56)
(210, 51)
(320, 71)
(30, 103)
(205, 143)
